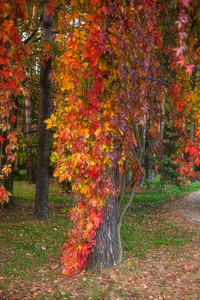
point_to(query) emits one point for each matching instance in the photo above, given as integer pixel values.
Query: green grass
(139, 233)
(139, 238)
(27, 245)
(31, 244)
(156, 194)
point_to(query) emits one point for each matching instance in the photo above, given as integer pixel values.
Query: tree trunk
(42, 183)
(31, 173)
(105, 251)
(192, 127)
(148, 176)
(8, 184)
(143, 150)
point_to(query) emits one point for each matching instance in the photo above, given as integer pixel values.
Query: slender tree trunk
(31, 171)
(192, 133)
(105, 251)
(143, 152)
(31, 174)
(42, 183)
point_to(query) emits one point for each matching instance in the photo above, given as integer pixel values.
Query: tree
(102, 79)
(31, 172)
(42, 183)
(104, 76)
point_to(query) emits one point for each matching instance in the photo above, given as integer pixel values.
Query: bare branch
(159, 80)
(139, 161)
(121, 196)
(119, 223)
(30, 36)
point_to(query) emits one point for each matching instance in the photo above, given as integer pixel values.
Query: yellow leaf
(78, 156)
(56, 173)
(85, 65)
(86, 135)
(53, 118)
(49, 123)
(85, 189)
(97, 133)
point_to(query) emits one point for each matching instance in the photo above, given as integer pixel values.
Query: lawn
(158, 253)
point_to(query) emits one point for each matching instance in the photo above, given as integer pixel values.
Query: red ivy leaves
(180, 25)
(50, 7)
(185, 3)
(100, 98)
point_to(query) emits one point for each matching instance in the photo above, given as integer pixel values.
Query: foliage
(12, 55)
(107, 88)
(100, 108)
(168, 172)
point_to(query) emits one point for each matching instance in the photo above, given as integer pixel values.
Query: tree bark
(31, 171)
(148, 176)
(105, 251)
(41, 209)
(31, 174)
(143, 152)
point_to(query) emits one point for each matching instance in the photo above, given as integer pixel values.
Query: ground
(168, 271)
(186, 211)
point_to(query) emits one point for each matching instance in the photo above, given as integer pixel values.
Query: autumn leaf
(46, 47)
(50, 7)
(185, 3)
(189, 69)
(49, 123)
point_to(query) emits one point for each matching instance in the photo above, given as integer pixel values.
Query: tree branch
(139, 160)
(159, 80)
(121, 196)
(30, 36)
(119, 223)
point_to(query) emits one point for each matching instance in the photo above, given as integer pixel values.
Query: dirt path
(186, 211)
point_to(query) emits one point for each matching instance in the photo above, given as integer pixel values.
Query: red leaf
(185, 3)
(179, 51)
(97, 221)
(2, 139)
(47, 47)
(13, 119)
(50, 8)
(80, 205)
(189, 69)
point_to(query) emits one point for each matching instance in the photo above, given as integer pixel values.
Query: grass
(30, 251)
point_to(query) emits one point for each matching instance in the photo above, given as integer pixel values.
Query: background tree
(43, 151)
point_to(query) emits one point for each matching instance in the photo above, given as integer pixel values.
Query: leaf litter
(167, 272)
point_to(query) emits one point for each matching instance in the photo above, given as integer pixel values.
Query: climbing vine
(12, 54)
(102, 80)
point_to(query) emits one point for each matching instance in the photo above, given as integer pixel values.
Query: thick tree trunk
(105, 251)
(42, 183)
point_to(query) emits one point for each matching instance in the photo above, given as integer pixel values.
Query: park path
(186, 211)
